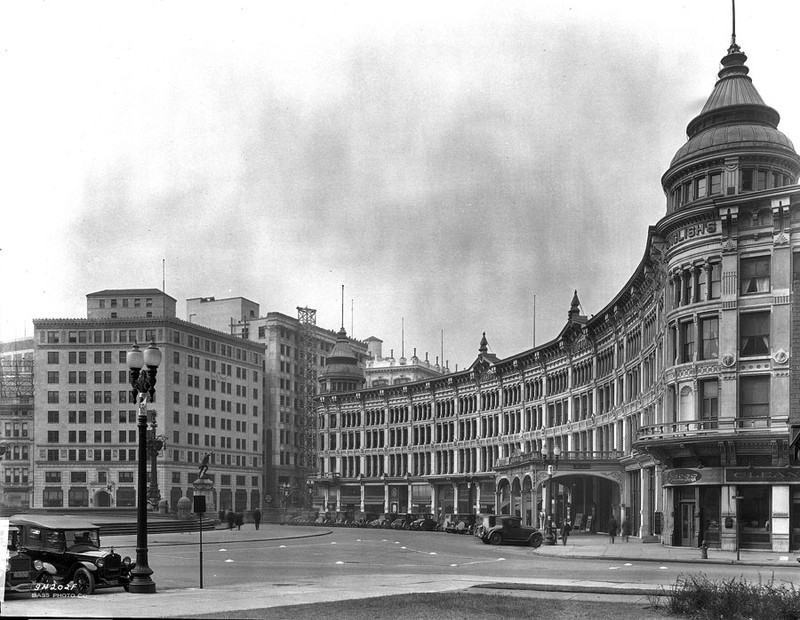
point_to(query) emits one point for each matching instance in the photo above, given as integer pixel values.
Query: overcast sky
(444, 161)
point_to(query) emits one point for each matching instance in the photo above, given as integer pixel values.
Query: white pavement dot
(282, 547)
(229, 560)
(402, 547)
(432, 553)
(662, 568)
(501, 559)
(783, 558)
(340, 562)
(628, 564)
(452, 565)
(613, 567)
(333, 543)
(384, 540)
(396, 542)
(358, 540)
(223, 549)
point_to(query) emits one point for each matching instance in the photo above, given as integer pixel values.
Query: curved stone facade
(670, 406)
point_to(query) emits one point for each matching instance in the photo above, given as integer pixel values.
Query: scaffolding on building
(16, 378)
(307, 388)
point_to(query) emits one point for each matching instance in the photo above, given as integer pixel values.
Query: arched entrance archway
(503, 506)
(102, 499)
(587, 500)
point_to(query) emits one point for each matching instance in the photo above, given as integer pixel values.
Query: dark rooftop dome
(734, 118)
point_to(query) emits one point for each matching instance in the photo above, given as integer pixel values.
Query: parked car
(425, 523)
(384, 521)
(507, 529)
(71, 546)
(459, 523)
(403, 522)
(20, 569)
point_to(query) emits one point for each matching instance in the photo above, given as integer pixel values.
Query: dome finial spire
(733, 48)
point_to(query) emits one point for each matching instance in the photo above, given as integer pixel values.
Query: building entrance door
(687, 530)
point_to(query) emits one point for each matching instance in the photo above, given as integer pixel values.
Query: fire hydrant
(704, 551)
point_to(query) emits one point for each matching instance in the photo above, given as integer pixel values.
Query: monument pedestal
(205, 487)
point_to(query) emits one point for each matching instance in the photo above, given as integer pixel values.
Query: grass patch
(699, 598)
(453, 606)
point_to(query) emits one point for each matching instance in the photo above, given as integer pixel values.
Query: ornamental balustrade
(688, 428)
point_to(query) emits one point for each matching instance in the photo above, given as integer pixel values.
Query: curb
(578, 589)
(627, 558)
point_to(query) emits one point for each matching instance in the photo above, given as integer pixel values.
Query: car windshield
(82, 538)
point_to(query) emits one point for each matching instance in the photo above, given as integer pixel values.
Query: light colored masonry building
(673, 407)
(208, 398)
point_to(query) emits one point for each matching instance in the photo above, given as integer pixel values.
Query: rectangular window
(755, 275)
(52, 376)
(709, 399)
(687, 342)
(754, 397)
(52, 397)
(52, 357)
(52, 417)
(52, 498)
(700, 187)
(709, 334)
(747, 180)
(754, 334)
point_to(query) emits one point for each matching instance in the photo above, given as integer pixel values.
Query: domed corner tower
(734, 144)
(731, 316)
(342, 372)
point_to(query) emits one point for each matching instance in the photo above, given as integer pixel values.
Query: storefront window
(755, 517)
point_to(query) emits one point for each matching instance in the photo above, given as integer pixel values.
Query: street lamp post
(143, 384)
(550, 458)
(155, 444)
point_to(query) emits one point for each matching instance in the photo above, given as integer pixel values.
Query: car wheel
(84, 580)
(495, 538)
(536, 541)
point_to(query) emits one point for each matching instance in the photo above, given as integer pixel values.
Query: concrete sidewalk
(190, 602)
(593, 546)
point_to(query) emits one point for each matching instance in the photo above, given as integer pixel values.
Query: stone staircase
(121, 521)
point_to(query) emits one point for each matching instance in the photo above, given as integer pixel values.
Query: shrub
(695, 596)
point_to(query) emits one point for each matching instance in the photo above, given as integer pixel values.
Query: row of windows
(145, 335)
(126, 302)
(54, 477)
(754, 337)
(710, 184)
(99, 397)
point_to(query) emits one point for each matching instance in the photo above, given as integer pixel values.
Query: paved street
(281, 565)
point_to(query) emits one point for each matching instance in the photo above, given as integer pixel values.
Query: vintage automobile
(384, 521)
(425, 523)
(507, 529)
(404, 521)
(71, 546)
(459, 523)
(20, 571)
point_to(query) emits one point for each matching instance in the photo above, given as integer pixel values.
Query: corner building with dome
(675, 409)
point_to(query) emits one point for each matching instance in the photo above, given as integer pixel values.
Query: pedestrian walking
(566, 528)
(239, 517)
(626, 530)
(229, 518)
(612, 528)
(257, 517)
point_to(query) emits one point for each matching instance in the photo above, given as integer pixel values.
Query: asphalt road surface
(357, 553)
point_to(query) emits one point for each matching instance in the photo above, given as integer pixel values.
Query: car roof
(53, 522)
